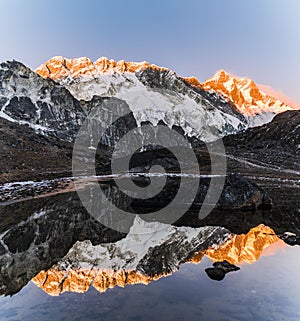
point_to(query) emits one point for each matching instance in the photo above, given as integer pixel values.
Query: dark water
(36, 234)
(266, 290)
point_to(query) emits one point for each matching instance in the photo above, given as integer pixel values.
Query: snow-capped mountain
(158, 91)
(152, 93)
(61, 68)
(257, 106)
(221, 106)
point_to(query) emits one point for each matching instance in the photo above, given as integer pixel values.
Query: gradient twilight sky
(259, 39)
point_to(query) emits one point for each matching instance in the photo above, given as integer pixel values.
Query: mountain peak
(193, 81)
(221, 75)
(58, 67)
(244, 94)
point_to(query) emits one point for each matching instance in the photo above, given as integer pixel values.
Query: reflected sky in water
(268, 289)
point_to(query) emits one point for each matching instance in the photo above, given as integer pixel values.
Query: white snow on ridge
(260, 119)
(35, 127)
(153, 105)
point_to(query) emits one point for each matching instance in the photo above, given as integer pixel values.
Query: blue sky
(258, 38)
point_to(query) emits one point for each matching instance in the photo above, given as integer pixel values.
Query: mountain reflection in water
(239, 249)
(71, 258)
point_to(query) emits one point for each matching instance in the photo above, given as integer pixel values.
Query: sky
(259, 39)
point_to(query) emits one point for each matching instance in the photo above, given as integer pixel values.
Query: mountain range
(103, 77)
(41, 112)
(56, 103)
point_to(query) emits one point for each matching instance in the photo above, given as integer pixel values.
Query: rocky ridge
(244, 96)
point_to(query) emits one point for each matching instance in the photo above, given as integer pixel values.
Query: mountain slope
(283, 130)
(27, 155)
(42, 104)
(273, 148)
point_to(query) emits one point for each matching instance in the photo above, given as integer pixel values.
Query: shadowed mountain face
(28, 99)
(283, 131)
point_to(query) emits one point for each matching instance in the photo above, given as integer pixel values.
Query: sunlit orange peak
(245, 248)
(193, 81)
(55, 281)
(244, 94)
(59, 67)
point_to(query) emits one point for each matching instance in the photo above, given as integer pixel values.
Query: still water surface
(268, 289)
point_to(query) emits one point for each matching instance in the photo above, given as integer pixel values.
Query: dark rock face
(220, 269)
(27, 98)
(283, 130)
(104, 112)
(240, 193)
(21, 108)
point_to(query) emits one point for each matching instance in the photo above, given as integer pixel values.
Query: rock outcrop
(28, 99)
